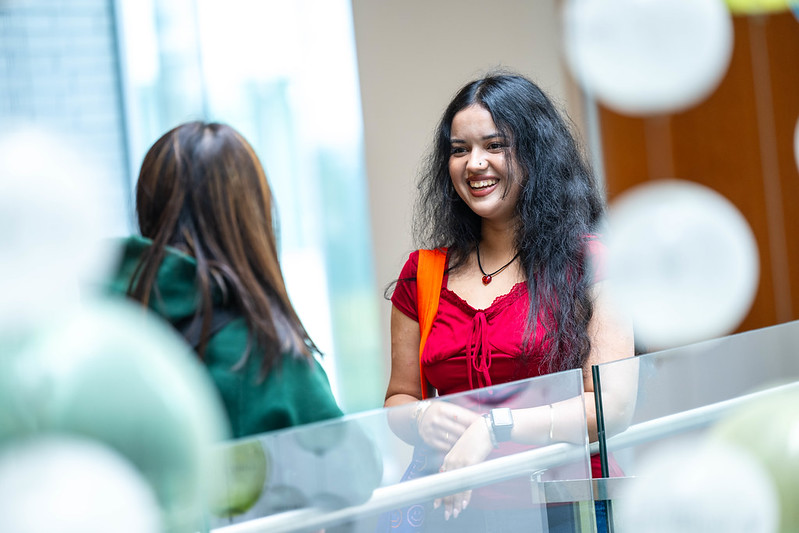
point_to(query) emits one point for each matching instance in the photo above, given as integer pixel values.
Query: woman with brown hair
(207, 262)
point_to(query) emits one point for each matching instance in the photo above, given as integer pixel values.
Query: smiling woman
(509, 202)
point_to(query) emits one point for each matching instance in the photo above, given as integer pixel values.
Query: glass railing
(704, 417)
(670, 409)
(356, 474)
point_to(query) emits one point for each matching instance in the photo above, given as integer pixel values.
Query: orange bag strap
(429, 276)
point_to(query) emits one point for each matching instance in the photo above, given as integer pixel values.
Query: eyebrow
(485, 138)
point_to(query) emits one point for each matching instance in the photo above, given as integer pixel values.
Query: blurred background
(340, 99)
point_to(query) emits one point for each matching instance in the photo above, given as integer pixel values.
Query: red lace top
(471, 348)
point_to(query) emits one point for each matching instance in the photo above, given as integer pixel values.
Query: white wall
(413, 55)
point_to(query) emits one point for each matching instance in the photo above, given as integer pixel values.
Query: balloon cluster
(683, 258)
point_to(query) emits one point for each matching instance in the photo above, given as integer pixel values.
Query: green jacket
(296, 391)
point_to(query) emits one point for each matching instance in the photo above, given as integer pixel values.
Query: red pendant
(486, 279)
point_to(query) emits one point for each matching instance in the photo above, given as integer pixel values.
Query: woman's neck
(497, 241)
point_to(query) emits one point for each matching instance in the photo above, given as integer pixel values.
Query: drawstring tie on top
(479, 353)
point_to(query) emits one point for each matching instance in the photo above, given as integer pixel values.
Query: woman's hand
(442, 423)
(473, 446)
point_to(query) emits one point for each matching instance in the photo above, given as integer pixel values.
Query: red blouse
(471, 348)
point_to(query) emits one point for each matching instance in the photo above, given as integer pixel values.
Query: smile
(482, 184)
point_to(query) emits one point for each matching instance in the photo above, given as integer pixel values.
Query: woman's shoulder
(595, 243)
(596, 256)
(410, 267)
(412, 262)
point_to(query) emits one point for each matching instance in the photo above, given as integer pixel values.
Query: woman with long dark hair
(508, 197)
(207, 262)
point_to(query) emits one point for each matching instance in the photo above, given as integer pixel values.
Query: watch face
(502, 417)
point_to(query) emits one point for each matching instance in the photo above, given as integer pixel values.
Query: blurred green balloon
(244, 468)
(768, 429)
(748, 7)
(113, 372)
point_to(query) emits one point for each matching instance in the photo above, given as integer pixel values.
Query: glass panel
(683, 433)
(356, 472)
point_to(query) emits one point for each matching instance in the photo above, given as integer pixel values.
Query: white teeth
(482, 184)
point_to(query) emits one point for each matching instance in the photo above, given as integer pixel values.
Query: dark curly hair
(559, 207)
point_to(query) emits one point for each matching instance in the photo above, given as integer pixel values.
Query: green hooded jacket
(296, 391)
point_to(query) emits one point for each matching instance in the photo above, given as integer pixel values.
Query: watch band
(491, 434)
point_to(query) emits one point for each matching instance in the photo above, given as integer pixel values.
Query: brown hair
(202, 189)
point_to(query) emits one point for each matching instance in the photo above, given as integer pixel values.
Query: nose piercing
(480, 163)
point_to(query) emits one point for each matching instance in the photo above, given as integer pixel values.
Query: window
(284, 74)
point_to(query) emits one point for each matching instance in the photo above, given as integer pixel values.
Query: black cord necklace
(488, 277)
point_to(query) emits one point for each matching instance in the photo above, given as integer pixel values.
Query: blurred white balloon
(648, 56)
(697, 486)
(53, 212)
(71, 485)
(683, 261)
